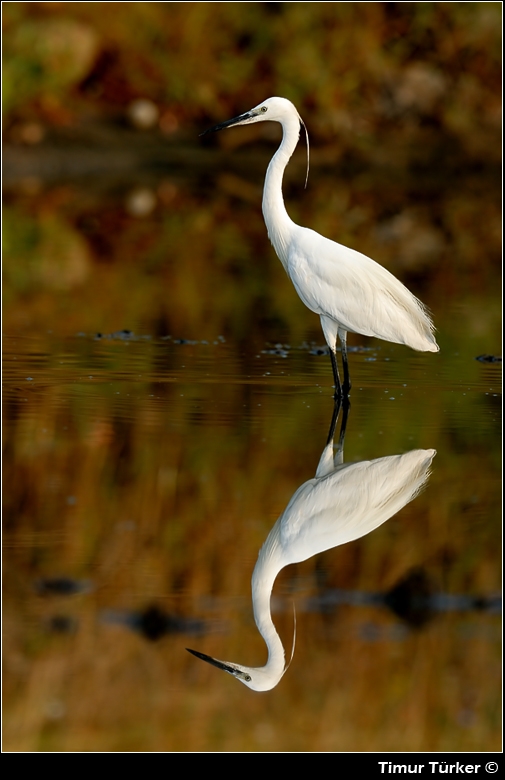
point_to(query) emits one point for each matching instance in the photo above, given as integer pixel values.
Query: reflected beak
(235, 121)
(219, 664)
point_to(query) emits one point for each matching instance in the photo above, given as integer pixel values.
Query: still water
(167, 399)
(142, 477)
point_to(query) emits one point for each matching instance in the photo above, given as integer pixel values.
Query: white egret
(349, 291)
(341, 503)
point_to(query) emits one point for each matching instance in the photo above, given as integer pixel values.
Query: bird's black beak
(235, 121)
(213, 661)
(220, 665)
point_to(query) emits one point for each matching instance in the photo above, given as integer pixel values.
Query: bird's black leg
(336, 411)
(346, 405)
(345, 363)
(338, 386)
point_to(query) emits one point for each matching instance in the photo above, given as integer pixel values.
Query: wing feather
(356, 292)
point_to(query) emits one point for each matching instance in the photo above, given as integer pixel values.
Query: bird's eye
(247, 677)
(263, 109)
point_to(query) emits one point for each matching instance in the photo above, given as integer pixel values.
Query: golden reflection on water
(140, 494)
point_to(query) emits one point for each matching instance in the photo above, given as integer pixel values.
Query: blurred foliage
(403, 104)
(44, 58)
(199, 264)
(43, 253)
(358, 70)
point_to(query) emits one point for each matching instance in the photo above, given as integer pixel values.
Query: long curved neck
(274, 211)
(263, 578)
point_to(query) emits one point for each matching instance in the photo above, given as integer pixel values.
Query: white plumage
(349, 291)
(343, 502)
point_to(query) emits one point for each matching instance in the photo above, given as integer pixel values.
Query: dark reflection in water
(61, 586)
(343, 502)
(413, 599)
(153, 622)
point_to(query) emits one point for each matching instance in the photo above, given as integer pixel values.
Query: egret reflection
(341, 503)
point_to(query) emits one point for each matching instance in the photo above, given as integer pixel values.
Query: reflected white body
(340, 504)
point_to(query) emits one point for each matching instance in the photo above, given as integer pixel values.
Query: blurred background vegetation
(103, 104)
(358, 70)
(103, 167)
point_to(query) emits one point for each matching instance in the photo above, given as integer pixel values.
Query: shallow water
(142, 477)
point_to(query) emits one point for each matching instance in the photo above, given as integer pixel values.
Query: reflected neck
(263, 578)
